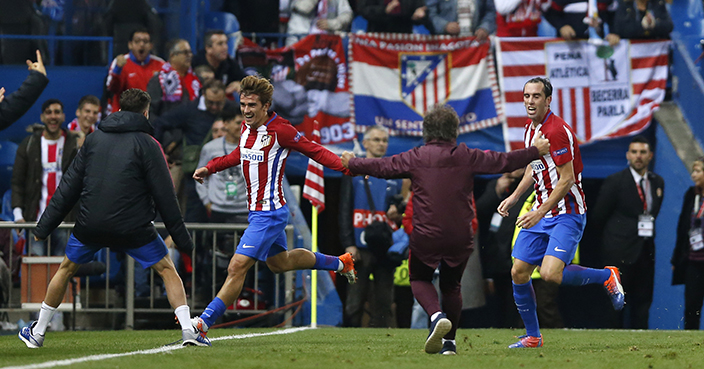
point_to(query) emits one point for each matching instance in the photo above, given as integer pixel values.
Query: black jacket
(616, 213)
(680, 254)
(121, 178)
(374, 11)
(17, 103)
(228, 71)
(629, 20)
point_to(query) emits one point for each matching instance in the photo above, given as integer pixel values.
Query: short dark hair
(49, 102)
(440, 123)
(171, 46)
(699, 160)
(208, 36)
(230, 112)
(642, 139)
(135, 100)
(214, 85)
(203, 68)
(140, 30)
(88, 99)
(547, 86)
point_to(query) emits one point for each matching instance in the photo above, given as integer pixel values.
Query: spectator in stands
(87, 115)
(688, 254)
(642, 19)
(132, 70)
(518, 18)
(318, 16)
(463, 17)
(222, 194)
(261, 16)
(395, 16)
(17, 103)
(362, 201)
(216, 55)
(205, 73)
(194, 119)
(123, 17)
(41, 160)
(19, 17)
(218, 128)
(625, 212)
(175, 83)
(567, 16)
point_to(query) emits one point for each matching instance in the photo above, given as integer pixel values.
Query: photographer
(366, 231)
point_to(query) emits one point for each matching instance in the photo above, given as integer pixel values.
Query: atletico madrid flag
(314, 186)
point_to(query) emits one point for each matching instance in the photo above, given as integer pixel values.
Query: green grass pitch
(339, 348)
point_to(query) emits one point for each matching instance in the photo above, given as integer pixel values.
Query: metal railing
(52, 48)
(205, 235)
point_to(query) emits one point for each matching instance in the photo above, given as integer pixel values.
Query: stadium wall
(67, 84)
(667, 310)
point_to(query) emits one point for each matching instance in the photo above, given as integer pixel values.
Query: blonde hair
(256, 85)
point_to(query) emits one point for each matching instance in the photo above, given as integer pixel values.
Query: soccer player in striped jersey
(265, 143)
(551, 231)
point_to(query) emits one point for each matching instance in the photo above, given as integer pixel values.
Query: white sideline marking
(51, 364)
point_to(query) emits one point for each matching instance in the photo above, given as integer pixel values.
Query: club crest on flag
(425, 80)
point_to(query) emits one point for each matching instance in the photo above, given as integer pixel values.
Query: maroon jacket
(442, 175)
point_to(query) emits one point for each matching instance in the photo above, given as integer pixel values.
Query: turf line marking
(51, 364)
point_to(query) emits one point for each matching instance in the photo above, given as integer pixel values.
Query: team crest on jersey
(266, 140)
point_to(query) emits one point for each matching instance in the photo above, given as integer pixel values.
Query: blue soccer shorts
(265, 236)
(557, 236)
(146, 255)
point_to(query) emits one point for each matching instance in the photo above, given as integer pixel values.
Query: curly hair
(440, 123)
(257, 85)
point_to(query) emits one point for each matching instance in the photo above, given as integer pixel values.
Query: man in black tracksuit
(119, 179)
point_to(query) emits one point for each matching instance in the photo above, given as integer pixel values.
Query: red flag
(314, 186)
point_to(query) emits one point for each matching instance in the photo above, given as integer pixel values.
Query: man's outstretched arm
(14, 105)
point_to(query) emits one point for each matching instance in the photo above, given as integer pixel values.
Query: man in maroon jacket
(442, 175)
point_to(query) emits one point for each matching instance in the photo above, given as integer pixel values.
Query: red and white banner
(310, 83)
(314, 185)
(396, 79)
(601, 93)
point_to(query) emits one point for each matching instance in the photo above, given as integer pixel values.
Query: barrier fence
(214, 245)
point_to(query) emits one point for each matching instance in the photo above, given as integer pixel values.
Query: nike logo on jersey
(559, 249)
(247, 246)
(252, 155)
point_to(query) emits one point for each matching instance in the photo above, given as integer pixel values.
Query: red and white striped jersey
(74, 126)
(263, 152)
(52, 152)
(563, 149)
